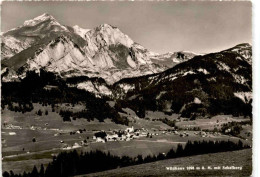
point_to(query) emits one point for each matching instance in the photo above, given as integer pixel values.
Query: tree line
(25, 93)
(72, 163)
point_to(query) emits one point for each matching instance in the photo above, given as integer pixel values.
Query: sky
(160, 26)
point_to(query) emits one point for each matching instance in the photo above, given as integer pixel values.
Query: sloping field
(210, 124)
(242, 158)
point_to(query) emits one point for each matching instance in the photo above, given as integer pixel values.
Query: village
(130, 133)
(95, 135)
(51, 136)
(126, 135)
(83, 137)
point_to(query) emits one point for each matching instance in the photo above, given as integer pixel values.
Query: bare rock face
(105, 51)
(30, 33)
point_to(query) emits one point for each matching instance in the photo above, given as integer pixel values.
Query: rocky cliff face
(73, 51)
(30, 33)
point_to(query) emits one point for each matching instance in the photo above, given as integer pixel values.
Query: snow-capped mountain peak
(38, 19)
(105, 25)
(37, 30)
(80, 31)
(190, 52)
(111, 35)
(104, 51)
(50, 20)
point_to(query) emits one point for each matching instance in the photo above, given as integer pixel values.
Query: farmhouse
(129, 130)
(11, 126)
(100, 140)
(176, 132)
(83, 143)
(112, 137)
(76, 145)
(143, 134)
(12, 133)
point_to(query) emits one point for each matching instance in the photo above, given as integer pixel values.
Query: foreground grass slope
(236, 158)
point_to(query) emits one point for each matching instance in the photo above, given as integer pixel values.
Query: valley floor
(20, 153)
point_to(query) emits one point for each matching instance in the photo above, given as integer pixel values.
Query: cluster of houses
(131, 133)
(17, 127)
(74, 146)
(45, 128)
(184, 134)
(175, 132)
(206, 134)
(121, 135)
(78, 131)
(203, 134)
(37, 128)
(11, 126)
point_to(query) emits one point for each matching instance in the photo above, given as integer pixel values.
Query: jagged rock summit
(104, 51)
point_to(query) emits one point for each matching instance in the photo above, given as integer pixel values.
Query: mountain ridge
(113, 55)
(175, 82)
(206, 85)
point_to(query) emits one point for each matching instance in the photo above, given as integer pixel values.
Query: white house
(100, 140)
(130, 130)
(112, 137)
(76, 145)
(12, 133)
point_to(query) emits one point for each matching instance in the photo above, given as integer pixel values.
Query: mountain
(30, 33)
(104, 52)
(80, 31)
(106, 62)
(243, 49)
(216, 83)
(171, 59)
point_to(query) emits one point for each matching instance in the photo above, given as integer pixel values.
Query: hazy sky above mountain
(159, 26)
